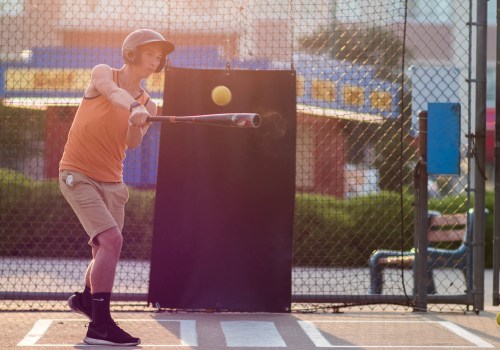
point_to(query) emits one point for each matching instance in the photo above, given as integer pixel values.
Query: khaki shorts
(98, 205)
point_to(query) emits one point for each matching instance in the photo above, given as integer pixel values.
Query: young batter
(110, 119)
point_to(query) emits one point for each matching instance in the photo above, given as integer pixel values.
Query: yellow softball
(221, 95)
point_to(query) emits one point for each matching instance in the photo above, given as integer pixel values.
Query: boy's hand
(138, 116)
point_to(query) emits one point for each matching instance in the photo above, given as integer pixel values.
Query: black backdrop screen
(225, 196)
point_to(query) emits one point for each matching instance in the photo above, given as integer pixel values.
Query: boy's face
(150, 57)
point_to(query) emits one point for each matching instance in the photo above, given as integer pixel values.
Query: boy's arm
(102, 82)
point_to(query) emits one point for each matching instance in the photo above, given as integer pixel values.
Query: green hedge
(36, 221)
(342, 232)
(20, 132)
(330, 231)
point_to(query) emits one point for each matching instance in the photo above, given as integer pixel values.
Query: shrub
(36, 221)
(20, 132)
(343, 232)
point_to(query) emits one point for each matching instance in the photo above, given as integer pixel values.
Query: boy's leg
(102, 274)
(82, 302)
(103, 330)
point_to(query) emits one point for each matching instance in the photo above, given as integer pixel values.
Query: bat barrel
(256, 120)
(251, 120)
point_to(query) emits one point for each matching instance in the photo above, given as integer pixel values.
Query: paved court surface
(352, 329)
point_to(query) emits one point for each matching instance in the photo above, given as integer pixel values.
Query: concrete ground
(352, 329)
(374, 327)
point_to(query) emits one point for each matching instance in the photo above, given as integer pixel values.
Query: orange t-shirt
(96, 140)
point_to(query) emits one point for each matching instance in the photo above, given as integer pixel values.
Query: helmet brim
(167, 46)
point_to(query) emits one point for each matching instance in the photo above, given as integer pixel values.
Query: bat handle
(169, 118)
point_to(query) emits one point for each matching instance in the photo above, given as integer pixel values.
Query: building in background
(53, 44)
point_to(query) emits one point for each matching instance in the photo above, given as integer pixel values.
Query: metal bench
(442, 228)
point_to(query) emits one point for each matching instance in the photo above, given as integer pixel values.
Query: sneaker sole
(75, 309)
(93, 341)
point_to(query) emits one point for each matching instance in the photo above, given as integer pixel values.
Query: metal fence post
(420, 272)
(480, 155)
(496, 229)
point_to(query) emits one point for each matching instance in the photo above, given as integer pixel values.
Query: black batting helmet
(141, 37)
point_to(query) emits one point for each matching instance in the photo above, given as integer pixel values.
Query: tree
(380, 47)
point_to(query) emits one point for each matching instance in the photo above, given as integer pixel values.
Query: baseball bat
(239, 120)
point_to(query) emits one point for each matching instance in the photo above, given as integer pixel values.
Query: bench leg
(431, 287)
(376, 278)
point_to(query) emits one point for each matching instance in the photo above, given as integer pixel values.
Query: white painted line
(38, 330)
(83, 345)
(314, 334)
(189, 336)
(403, 346)
(369, 321)
(321, 342)
(466, 334)
(252, 334)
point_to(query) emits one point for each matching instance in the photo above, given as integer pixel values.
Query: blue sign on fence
(443, 138)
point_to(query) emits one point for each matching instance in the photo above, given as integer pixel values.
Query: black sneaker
(109, 334)
(75, 303)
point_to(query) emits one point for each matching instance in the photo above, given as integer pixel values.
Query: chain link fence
(364, 70)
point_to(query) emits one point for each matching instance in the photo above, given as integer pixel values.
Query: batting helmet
(140, 37)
